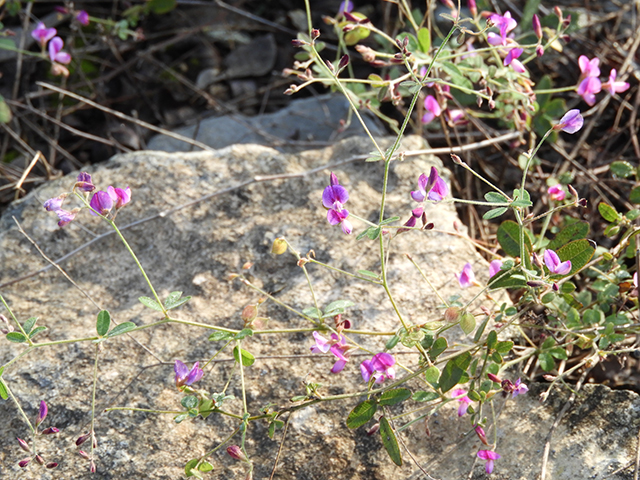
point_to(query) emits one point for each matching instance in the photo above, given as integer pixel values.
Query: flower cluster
(337, 346)
(58, 57)
(589, 84)
(333, 199)
(42, 414)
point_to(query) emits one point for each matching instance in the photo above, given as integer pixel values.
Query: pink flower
(333, 198)
(55, 51)
(83, 17)
(570, 122)
(553, 263)
(184, 376)
(432, 187)
(557, 193)
(537, 27)
(338, 347)
(43, 34)
(432, 108)
(494, 267)
(464, 400)
(120, 196)
(519, 388)
(589, 68)
(380, 367)
(512, 59)
(588, 89)
(505, 24)
(466, 278)
(614, 86)
(489, 456)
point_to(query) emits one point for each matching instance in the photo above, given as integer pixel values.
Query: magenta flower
(432, 188)
(42, 414)
(464, 400)
(101, 202)
(553, 263)
(66, 216)
(83, 17)
(588, 89)
(481, 434)
(466, 278)
(519, 388)
(494, 267)
(455, 116)
(556, 192)
(614, 86)
(184, 376)
(43, 34)
(85, 183)
(338, 347)
(416, 213)
(55, 51)
(380, 367)
(537, 27)
(432, 108)
(589, 68)
(512, 59)
(505, 24)
(489, 456)
(54, 204)
(333, 198)
(570, 122)
(120, 196)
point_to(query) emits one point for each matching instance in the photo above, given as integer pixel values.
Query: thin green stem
(344, 272)
(15, 400)
(93, 399)
(29, 342)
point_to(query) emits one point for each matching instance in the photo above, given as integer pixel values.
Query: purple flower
(42, 414)
(120, 196)
(505, 24)
(481, 434)
(570, 122)
(416, 213)
(43, 34)
(55, 51)
(537, 27)
(614, 86)
(466, 278)
(50, 431)
(433, 187)
(556, 192)
(66, 216)
(494, 267)
(338, 347)
(333, 198)
(85, 183)
(345, 6)
(101, 202)
(380, 367)
(489, 456)
(519, 389)
(54, 204)
(464, 400)
(83, 17)
(588, 89)
(512, 59)
(184, 376)
(432, 108)
(552, 261)
(589, 68)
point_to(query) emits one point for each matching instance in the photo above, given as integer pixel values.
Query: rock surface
(193, 249)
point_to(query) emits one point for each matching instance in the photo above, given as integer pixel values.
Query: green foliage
(390, 441)
(362, 413)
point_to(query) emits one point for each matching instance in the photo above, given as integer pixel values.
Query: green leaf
(367, 273)
(468, 323)
(432, 375)
(579, 252)
(179, 303)
(245, 332)
(174, 300)
(521, 203)
(121, 329)
(422, 396)
(206, 408)
(373, 232)
(247, 358)
(559, 353)
(575, 231)
(5, 111)
(495, 213)
(205, 467)
(507, 279)
(495, 197)
(190, 401)
(622, 169)
(150, 303)
(451, 375)
(504, 347)
(390, 441)
(16, 337)
(36, 331)
(634, 197)
(548, 298)
(103, 322)
(439, 346)
(160, 7)
(191, 464)
(392, 397)
(392, 342)
(29, 324)
(312, 312)
(492, 340)
(3, 390)
(456, 75)
(339, 306)
(389, 220)
(424, 40)
(547, 363)
(609, 213)
(217, 336)
(509, 238)
(362, 413)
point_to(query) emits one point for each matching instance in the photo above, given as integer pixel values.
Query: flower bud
(249, 313)
(344, 61)
(39, 459)
(50, 431)
(92, 467)
(82, 439)
(472, 7)
(84, 454)
(535, 283)
(537, 28)
(236, 452)
(452, 314)
(456, 159)
(23, 463)
(42, 414)
(368, 55)
(539, 50)
(566, 22)
(493, 378)
(298, 43)
(51, 465)
(315, 33)
(279, 246)
(23, 445)
(373, 429)
(330, 66)
(481, 435)
(558, 11)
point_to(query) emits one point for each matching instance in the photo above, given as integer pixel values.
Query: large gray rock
(193, 249)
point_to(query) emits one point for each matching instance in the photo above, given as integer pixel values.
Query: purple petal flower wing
(322, 344)
(338, 366)
(366, 370)
(194, 375)
(346, 226)
(334, 194)
(571, 121)
(439, 191)
(494, 267)
(42, 414)
(563, 268)
(53, 204)
(65, 217)
(551, 260)
(181, 371)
